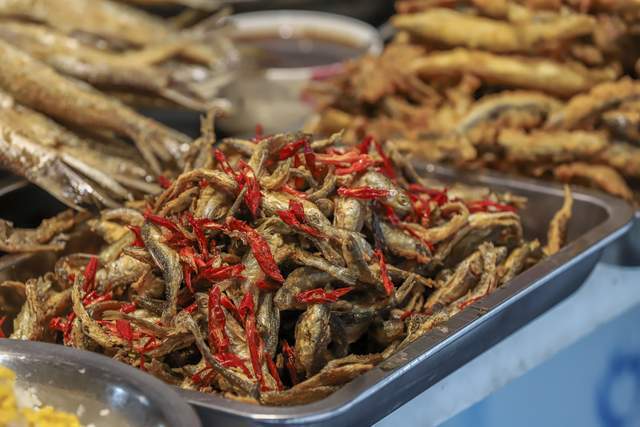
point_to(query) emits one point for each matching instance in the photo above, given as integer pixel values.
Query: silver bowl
(273, 97)
(101, 391)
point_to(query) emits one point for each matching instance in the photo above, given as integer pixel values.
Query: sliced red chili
(164, 181)
(359, 166)
(273, 370)
(290, 190)
(166, 223)
(320, 296)
(138, 242)
(247, 311)
(191, 308)
(486, 205)
(295, 218)
(218, 339)
(230, 360)
(89, 274)
(310, 159)
(266, 286)
(123, 327)
(224, 163)
(128, 307)
(290, 361)
(222, 273)
(406, 314)
(365, 144)
(364, 193)
(291, 149)
(259, 248)
(253, 195)
(187, 272)
(384, 275)
(259, 132)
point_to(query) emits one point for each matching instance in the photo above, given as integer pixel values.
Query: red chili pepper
(221, 273)
(124, 330)
(484, 205)
(197, 378)
(438, 196)
(166, 223)
(90, 274)
(200, 237)
(343, 159)
(186, 272)
(359, 166)
(365, 144)
(164, 181)
(63, 325)
(128, 308)
(230, 360)
(387, 166)
(138, 242)
(259, 132)
(384, 275)
(467, 303)
(2, 320)
(259, 247)
(406, 314)
(295, 218)
(191, 308)
(266, 286)
(320, 296)
(290, 190)
(253, 195)
(231, 307)
(94, 297)
(310, 159)
(246, 306)
(224, 163)
(290, 361)
(364, 193)
(273, 370)
(151, 344)
(291, 149)
(218, 340)
(203, 183)
(247, 311)
(391, 215)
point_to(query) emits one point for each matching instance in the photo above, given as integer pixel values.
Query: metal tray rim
(620, 216)
(619, 219)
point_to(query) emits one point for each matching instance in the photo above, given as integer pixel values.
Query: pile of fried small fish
(546, 88)
(62, 125)
(274, 270)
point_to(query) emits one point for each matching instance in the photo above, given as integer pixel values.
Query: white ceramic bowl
(272, 97)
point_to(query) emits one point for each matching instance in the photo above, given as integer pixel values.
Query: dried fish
(205, 284)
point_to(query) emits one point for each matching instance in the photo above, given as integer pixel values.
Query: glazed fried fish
(273, 271)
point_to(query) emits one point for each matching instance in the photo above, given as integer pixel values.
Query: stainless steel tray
(598, 221)
(626, 250)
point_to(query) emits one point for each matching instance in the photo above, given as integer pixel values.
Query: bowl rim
(347, 25)
(174, 408)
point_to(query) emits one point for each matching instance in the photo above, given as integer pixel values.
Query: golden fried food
(261, 268)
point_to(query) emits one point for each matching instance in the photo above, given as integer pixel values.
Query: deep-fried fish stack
(541, 87)
(122, 49)
(274, 270)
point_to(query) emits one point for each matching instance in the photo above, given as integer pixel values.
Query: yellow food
(11, 414)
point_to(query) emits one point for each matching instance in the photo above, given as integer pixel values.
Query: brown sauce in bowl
(308, 49)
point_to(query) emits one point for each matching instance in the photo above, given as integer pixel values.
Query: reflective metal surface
(598, 221)
(101, 391)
